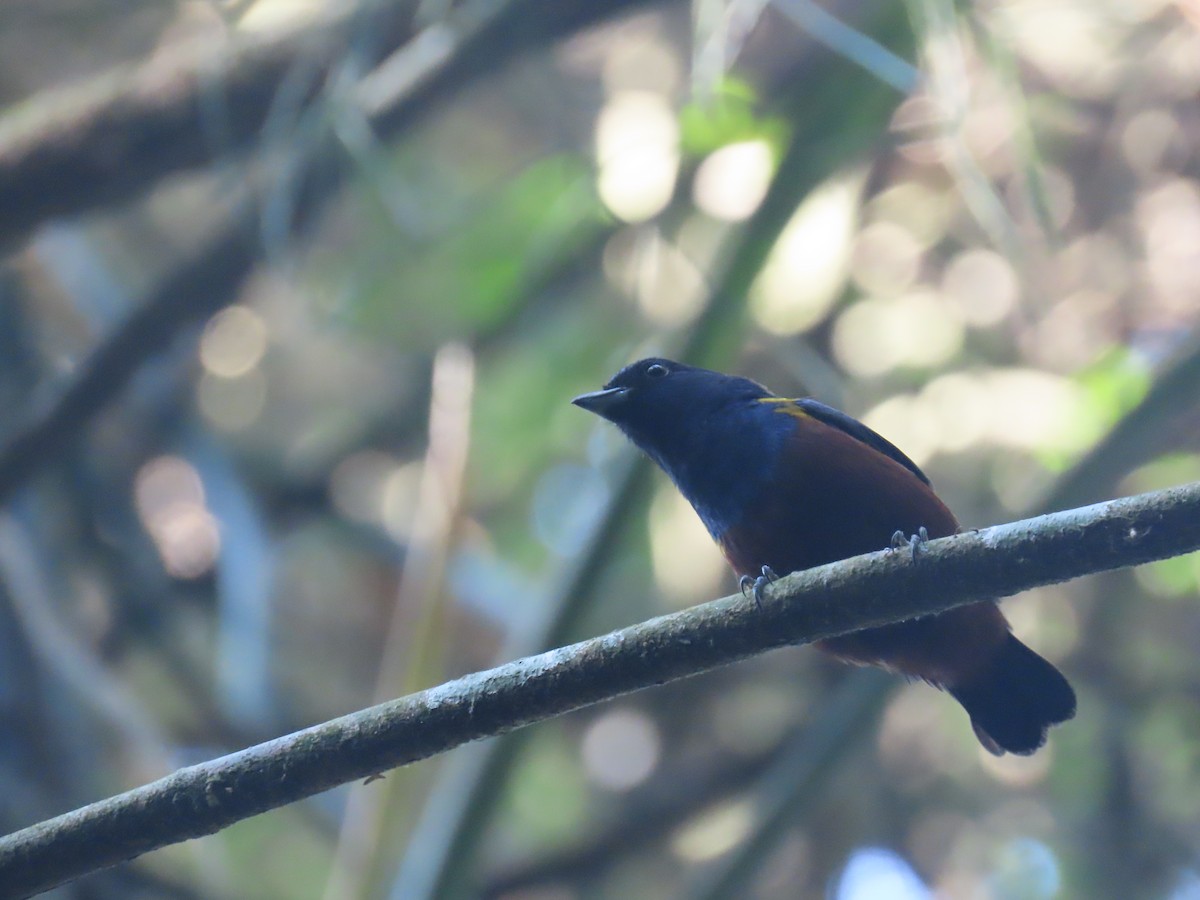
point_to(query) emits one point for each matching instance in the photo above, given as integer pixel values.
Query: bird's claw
(913, 543)
(757, 584)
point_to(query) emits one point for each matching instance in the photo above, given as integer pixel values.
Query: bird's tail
(1014, 699)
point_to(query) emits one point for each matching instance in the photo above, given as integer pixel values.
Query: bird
(786, 484)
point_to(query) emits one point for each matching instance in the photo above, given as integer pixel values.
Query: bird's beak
(600, 402)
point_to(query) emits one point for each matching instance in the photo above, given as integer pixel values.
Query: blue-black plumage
(791, 484)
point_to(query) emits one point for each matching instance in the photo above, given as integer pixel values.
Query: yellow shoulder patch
(787, 406)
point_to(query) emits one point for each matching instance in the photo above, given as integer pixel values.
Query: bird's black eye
(656, 371)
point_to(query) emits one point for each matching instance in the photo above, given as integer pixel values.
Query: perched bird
(790, 484)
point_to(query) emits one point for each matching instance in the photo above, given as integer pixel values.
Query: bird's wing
(858, 431)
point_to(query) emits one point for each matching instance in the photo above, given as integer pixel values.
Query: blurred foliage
(729, 114)
(998, 271)
(479, 264)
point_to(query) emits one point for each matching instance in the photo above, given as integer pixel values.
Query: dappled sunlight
(916, 330)
(170, 502)
(1046, 620)
(808, 266)
(873, 873)
(732, 181)
(687, 565)
(668, 286)
(641, 61)
(1028, 868)
(397, 500)
(1169, 218)
(1086, 66)
(1056, 204)
(620, 749)
(1013, 408)
(232, 391)
(983, 285)
(268, 15)
(1002, 853)
(886, 259)
(664, 281)
(713, 832)
(637, 149)
(234, 342)
(924, 211)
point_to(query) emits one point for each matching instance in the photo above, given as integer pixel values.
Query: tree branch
(874, 589)
(109, 139)
(482, 36)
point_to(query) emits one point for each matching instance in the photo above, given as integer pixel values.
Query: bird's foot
(912, 544)
(758, 584)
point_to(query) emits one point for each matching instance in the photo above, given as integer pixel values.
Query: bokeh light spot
(357, 484)
(983, 285)
(1019, 408)
(637, 149)
(886, 259)
(669, 288)
(877, 335)
(807, 267)
(1169, 217)
(620, 749)
(686, 561)
(169, 498)
(234, 342)
(715, 832)
(273, 15)
(923, 211)
(874, 873)
(641, 62)
(732, 181)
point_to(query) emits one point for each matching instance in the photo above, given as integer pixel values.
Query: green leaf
(728, 116)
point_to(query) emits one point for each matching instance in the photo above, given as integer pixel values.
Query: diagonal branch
(105, 141)
(112, 139)
(192, 291)
(865, 591)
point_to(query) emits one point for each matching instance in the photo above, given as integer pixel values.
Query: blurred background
(295, 296)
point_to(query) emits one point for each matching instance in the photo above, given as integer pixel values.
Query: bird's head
(663, 405)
